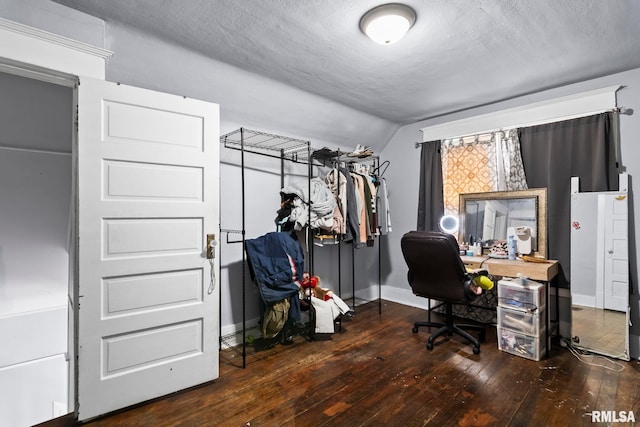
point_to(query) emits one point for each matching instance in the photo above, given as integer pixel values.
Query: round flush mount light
(387, 23)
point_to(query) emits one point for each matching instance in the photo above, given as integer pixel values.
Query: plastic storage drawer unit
(519, 294)
(523, 345)
(531, 323)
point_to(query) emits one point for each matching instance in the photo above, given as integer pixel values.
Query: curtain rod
(616, 110)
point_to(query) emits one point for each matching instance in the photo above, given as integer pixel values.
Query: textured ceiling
(459, 54)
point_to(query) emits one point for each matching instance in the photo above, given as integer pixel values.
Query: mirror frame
(540, 194)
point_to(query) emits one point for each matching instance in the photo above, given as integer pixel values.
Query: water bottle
(511, 247)
(477, 249)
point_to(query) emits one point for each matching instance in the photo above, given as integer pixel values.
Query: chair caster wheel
(415, 329)
(476, 350)
(429, 346)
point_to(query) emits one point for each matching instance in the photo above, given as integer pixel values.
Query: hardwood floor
(378, 373)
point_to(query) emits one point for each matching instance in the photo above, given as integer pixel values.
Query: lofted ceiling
(459, 54)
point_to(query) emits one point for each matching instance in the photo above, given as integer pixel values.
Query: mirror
(488, 216)
(600, 271)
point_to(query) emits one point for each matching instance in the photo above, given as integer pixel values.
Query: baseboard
(404, 296)
(232, 334)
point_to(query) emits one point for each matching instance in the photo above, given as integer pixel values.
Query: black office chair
(437, 272)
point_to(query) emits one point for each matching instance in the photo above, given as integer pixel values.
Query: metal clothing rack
(287, 150)
(374, 161)
(270, 145)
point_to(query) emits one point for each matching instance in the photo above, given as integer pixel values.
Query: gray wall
(259, 103)
(246, 100)
(404, 172)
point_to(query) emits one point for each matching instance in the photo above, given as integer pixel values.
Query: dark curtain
(555, 152)
(430, 198)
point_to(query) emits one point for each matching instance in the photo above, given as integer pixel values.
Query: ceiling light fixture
(387, 23)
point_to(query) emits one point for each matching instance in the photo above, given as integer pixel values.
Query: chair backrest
(435, 268)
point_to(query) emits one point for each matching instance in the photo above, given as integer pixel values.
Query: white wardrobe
(35, 197)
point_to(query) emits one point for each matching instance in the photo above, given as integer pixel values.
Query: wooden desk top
(510, 268)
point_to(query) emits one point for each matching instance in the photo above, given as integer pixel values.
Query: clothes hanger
(377, 171)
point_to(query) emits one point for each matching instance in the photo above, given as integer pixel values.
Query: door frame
(36, 54)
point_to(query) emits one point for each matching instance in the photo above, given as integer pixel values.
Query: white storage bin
(523, 345)
(531, 323)
(525, 295)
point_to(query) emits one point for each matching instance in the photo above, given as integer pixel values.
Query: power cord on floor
(584, 355)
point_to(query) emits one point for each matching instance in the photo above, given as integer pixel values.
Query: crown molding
(562, 108)
(46, 36)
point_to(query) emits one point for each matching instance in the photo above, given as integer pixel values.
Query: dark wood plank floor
(377, 372)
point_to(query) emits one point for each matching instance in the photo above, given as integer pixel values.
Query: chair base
(449, 328)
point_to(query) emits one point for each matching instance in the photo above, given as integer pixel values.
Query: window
(479, 164)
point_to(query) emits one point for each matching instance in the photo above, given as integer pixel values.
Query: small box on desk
(522, 294)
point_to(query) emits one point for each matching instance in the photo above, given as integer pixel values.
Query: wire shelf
(268, 144)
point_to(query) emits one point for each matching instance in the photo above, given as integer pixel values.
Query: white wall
(404, 172)
(35, 190)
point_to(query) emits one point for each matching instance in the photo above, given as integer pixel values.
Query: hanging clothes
(338, 221)
(337, 183)
(322, 205)
(384, 214)
(373, 220)
(276, 264)
(297, 208)
(362, 209)
(368, 208)
(352, 219)
(283, 218)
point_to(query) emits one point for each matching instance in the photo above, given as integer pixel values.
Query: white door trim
(33, 46)
(41, 55)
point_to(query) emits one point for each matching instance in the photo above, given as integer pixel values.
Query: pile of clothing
(276, 261)
(295, 205)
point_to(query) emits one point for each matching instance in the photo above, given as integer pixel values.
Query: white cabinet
(33, 366)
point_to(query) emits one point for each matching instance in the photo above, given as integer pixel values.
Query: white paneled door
(146, 300)
(614, 211)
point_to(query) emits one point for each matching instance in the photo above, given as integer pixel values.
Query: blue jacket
(276, 262)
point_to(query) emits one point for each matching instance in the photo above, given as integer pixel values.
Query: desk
(544, 272)
(540, 271)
